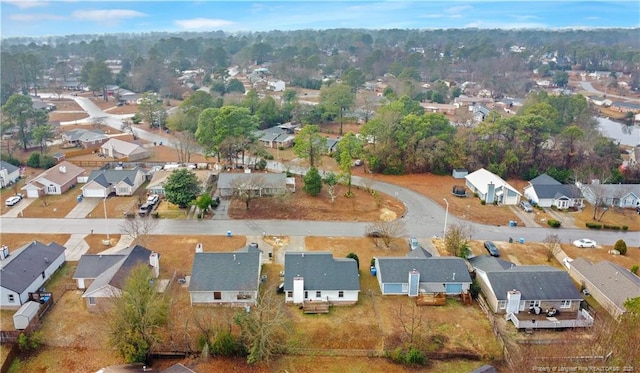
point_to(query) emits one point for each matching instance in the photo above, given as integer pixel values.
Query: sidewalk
(76, 247)
(83, 208)
(124, 242)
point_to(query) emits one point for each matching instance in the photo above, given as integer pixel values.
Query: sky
(64, 17)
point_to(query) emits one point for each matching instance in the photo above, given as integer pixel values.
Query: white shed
(25, 314)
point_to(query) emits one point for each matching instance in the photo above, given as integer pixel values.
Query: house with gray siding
(417, 274)
(616, 195)
(319, 277)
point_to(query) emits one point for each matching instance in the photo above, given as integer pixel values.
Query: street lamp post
(106, 221)
(446, 215)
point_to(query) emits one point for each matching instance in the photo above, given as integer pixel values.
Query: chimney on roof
(234, 257)
(454, 277)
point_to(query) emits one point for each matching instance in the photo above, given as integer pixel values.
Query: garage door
(454, 288)
(92, 192)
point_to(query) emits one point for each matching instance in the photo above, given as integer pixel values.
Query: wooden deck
(315, 307)
(438, 299)
(575, 319)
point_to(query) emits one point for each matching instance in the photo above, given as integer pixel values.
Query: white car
(153, 199)
(11, 201)
(584, 242)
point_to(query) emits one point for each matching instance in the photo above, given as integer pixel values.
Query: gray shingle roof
(321, 271)
(113, 176)
(239, 271)
(544, 179)
(534, 283)
(616, 282)
(231, 180)
(116, 274)
(557, 191)
(435, 269)
(8, 166)
(488, 263)
(91, 266)
(419, 252)
(21, 268)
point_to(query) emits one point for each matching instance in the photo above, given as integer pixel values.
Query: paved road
(589, 88)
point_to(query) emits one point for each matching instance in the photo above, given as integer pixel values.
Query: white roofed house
(492, 188)
(116, 148)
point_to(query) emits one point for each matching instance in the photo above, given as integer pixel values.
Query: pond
(625, 134)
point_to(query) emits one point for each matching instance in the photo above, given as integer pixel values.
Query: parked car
(153, 199)
(491, 248)
(145, 209)
(357, 162)
(526, 206)
(11, 201)
(413, 243)
(585, 242)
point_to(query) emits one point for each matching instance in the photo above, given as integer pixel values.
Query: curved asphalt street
(424, 218)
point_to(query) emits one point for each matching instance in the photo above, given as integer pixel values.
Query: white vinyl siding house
(9, 174)
(545, 191)
(492, 188)
(102, 183)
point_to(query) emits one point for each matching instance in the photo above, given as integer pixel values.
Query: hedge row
(606, 226)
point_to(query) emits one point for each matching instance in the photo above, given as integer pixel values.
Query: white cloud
(203, 23)
(26, 4)
(458, 9)
(108, 16)
(35, 17)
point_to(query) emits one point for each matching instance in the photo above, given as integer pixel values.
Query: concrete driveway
(15, 211)
(83, 208)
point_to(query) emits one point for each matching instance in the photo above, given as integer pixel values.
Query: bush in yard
(312, 182)
(225, 344)
(414, 357)
(355, 257)
(47, 161)
(554, 223)
(474, 289)
(593, 225)
(136, 119)
(634, 269)
(625, 227)
(262, 164)
(621, 247)
(28, 342)
(373, 262)
(34, 160)
(10, 159)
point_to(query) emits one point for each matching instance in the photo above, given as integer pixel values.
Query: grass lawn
(17, 240)
(53, 206)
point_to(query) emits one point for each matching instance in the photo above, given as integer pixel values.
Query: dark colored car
(491, 248)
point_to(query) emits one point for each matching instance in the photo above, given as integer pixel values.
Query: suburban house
(520, 291)
(434, 107)
(546, 191)
(492, 188)
(260, 184)
(26, 269)
(618, 195)
(102, 183)
(276, 85)
(9, 174)
(56, 180)
(319, 277)
(102, 276)
(116, 148)
(331, 145)
(480, 113)
(226, 278)
(275, 137)
(159, 178)
(84, 138)
(414, 275)
(608, 283)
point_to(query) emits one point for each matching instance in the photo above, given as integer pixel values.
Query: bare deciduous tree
(248, 188)
(264, 327)
(456, 240)
(185, 145)
(139, 228)
(385, 231)
(99, 122)
(551, 245)
(410, 319)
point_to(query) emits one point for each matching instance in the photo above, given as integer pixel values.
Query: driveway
(16, 210)
(528, 218)
(83, 208)
(76, 247)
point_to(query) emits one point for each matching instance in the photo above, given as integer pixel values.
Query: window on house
(534, 303)
(502, 304)
(12, 298)
(565, 304)
(289, 294)
(92, 301)
(306, 294)
(341, 294)
(123, 190)
(318, 294)
(51, 189)
(405, 288)
(217, 295)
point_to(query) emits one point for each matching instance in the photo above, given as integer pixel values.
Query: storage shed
(25, 314)
(459, 173)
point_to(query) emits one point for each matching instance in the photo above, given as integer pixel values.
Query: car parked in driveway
(11, 201)
(491, 248)
(584, 242)
(413, 243)
(526, 206)
(153, 199)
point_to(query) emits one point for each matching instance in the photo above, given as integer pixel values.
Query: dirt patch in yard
(66, 117)
(301, 206)
(17, 240)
